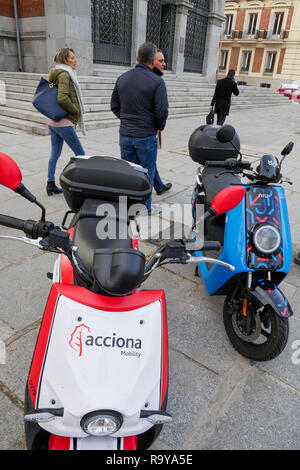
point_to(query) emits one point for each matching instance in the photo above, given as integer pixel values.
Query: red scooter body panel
(113, 304)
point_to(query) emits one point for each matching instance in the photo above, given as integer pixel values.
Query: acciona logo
(81, 339)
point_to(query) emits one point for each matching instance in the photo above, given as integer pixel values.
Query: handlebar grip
(12, 222)
(211, 246)
(246, 165)
(31, 228)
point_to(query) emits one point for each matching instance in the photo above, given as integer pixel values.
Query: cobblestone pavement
(218, 399)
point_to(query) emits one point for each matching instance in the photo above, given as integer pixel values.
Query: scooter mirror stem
(24, 192)
(238, 151)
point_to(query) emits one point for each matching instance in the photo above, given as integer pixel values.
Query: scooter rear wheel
(268, 335)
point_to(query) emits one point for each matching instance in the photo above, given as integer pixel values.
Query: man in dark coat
(140, 101)
(222, 97)
(159, 66)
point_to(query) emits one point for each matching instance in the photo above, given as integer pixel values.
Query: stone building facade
(261, 41)
(109, 32)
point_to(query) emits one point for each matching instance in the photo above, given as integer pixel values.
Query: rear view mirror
(11, 177)
(225, 134)
(10, 173)
(287, 149)
(224, 201)
(227, 199)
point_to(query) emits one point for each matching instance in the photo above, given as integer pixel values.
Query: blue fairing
(269, 294)
(235, 246)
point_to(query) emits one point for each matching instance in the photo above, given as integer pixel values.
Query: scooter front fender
(268, 293)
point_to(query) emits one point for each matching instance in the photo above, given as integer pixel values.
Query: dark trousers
(221, 119)
(158, 184)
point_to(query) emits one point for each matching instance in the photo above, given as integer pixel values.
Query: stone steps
(189, 95)
(30, 127)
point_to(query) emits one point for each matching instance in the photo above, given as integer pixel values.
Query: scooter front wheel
(266, 335)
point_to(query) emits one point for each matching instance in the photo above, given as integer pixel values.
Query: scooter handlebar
(179, 251)
(12, 222)
(230, 164)
(31, 228)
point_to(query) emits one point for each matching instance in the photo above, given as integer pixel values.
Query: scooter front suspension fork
(247, 321)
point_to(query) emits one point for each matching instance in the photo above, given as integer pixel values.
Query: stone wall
(32, 27)
(48, 25)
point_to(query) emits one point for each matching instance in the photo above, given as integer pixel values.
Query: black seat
(215, 225)
(213, 185)
(90, 228)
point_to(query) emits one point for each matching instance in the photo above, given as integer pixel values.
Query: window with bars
(195, 42)
(112, 31)
(270, 62)
(161, 20)
(195, 39)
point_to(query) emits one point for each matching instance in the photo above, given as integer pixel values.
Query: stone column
(68, 24)
(182, 9)
(215, 19)
(139, 27)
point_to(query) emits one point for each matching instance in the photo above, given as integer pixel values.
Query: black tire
(275, 339)
(146, 439)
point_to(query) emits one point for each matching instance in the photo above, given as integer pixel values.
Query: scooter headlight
(101, 423)
(267, 239)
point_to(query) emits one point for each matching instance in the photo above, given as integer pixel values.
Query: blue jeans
(59, 135)
(142, 152)
(158, 184)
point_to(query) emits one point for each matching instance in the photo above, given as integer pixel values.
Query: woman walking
(69, 96)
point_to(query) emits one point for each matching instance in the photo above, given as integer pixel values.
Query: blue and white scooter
(254, 237)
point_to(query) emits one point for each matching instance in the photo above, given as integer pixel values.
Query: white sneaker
(155, 210)
(144, 211)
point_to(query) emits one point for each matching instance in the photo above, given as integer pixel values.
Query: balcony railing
(246, 35)
(258, 34)
(268, 34)
(228, 35)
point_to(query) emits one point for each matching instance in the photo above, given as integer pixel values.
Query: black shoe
(297, 258)
(52, 188)
(165, 188)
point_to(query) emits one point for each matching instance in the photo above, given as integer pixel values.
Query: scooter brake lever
(286, 180)
(201, 259)
(29, 241)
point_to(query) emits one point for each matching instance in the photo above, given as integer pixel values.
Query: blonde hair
(62, 55)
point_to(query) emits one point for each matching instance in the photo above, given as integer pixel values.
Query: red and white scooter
(99, 373)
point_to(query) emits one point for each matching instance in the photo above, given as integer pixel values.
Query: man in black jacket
(140, 101)
(159, 67)
(222, 97)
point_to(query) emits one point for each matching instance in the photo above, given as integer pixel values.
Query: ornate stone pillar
(215, 19)
(139, 26)
(182, 9)
(68, 24)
